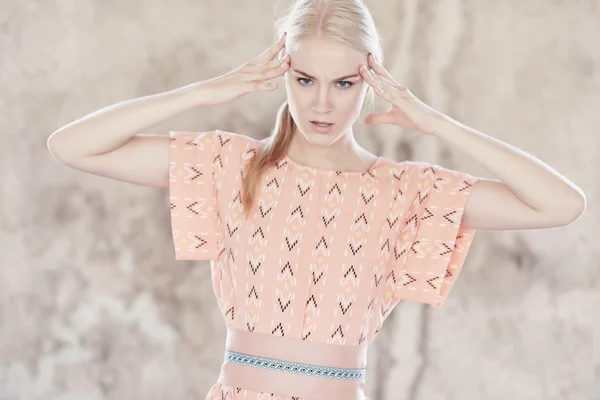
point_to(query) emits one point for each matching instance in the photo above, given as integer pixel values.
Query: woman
(312, 239)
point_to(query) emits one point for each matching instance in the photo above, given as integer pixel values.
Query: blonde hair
(348, 22)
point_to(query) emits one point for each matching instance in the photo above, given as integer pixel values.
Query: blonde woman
(312, 239)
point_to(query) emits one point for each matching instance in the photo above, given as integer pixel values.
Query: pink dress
(325, 255)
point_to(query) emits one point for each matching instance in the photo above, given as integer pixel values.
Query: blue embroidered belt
(292, 367)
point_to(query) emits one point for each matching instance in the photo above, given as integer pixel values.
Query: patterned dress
(325, 255)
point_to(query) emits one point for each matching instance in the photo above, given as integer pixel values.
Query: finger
(387, 92)
(382, 80)
(275, 63)
(379, 118)
(263, 86)
(270, 52)
(370, 78)
(270, 73)
(380, 86)
(378, 68)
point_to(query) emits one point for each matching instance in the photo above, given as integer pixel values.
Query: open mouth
(321, 127)
(322, 124)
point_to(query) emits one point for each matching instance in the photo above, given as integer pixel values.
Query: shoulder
(239, 146)
(399, 171)
(422, 169)
(237, 139)
(220, 140)
(409, 176)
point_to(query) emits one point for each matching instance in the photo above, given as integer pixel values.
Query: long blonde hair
(348, 22)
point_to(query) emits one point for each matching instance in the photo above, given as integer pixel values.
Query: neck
(343, 154)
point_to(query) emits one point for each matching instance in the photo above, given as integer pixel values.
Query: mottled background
(93, 304)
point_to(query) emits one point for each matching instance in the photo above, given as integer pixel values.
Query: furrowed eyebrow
(315, 79)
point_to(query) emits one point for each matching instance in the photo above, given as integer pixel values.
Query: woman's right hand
(252, 76)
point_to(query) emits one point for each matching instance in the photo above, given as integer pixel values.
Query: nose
(321, 103)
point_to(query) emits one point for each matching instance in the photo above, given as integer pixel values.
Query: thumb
(379, 118)
(263, 86)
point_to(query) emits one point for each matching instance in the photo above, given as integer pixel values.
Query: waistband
(293, 367)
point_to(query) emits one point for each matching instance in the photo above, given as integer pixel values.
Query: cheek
(296, 94)
(290, 91)
(294, 102)
(344, 101)
(353, 100)
(299, 100)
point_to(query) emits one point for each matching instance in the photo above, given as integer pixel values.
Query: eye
(301, 81)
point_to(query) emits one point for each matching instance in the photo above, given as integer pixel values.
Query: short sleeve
(193, 195)
(432, 241)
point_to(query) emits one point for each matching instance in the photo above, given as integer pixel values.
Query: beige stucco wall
(93, 304)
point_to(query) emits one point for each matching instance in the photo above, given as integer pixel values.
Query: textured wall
(93, 304)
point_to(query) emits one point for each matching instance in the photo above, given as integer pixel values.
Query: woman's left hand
(407, 110)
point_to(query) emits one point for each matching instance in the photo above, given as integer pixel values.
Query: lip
(320, 129)
(322, 122)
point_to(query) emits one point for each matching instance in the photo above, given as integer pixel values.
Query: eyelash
(345, 87)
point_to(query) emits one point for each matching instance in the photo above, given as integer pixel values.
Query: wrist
(441, 124)
(197, 94)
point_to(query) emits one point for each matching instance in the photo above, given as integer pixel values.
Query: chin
(318, 137)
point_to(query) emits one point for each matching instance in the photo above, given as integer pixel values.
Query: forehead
(325, 58)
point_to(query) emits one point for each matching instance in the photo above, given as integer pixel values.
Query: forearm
(111, 127)
(535, 183)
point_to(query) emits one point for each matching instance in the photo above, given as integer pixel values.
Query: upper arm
(492, 205)
(143, 160)
(433, 242)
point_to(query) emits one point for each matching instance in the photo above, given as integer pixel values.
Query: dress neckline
(328, 171)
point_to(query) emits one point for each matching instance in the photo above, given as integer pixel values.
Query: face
(323, 84)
